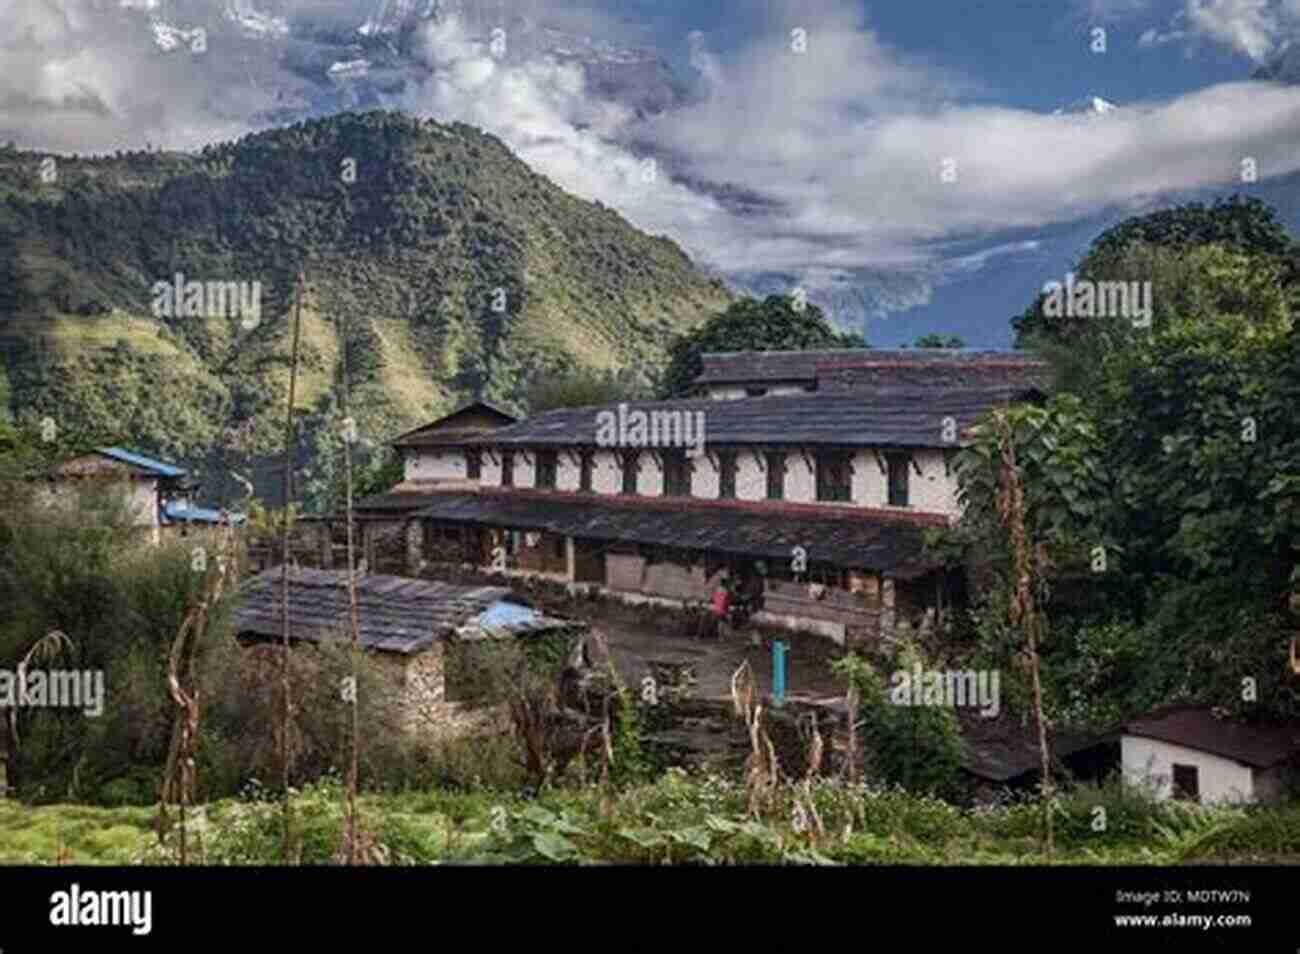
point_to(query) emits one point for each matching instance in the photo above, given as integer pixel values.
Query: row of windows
(834, 471)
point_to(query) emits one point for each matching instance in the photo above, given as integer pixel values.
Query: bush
(915, 747)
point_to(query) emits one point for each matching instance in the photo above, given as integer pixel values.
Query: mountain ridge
(457, 271)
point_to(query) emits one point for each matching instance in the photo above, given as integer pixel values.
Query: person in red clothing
(721, 606)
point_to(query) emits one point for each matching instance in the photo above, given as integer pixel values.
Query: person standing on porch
(721, 606)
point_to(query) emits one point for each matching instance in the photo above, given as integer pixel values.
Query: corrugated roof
(884, 418)
(840, 536)
(141, 461)
(178, 512)
(1196, 727)
(395, 614)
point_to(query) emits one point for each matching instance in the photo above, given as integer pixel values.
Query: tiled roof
(886, 542)
(885, 418)
(858, 369)
(1196, 727)
(394, 613)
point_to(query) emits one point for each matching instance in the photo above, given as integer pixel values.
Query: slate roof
(393, 503)
(1196, 727)
(885, 418)
(395, 613)
(1001, 748)
(841, 536)
(438, 433)
(872, 368)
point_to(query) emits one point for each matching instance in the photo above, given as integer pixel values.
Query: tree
(933, 340)
(778, 323)
(1151, 247)
(917, 747)
(582, 387)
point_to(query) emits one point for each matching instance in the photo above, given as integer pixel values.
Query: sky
(899, 161)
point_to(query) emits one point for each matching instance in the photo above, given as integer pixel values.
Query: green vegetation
(583, 388)
(777, 323)
(933, 340)
(1162, 478)
(677, 819)
(447, 270)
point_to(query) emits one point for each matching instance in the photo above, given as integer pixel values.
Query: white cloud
(1254, 28)
(823, 166)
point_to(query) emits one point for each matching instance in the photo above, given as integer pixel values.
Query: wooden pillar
(414, 546)
(886, 606)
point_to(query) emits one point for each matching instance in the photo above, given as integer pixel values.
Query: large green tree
(1193, 419)
(777, 323)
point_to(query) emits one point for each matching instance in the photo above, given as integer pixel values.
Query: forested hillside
(444, 266)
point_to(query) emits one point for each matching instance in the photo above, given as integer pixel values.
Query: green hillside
(456, 270)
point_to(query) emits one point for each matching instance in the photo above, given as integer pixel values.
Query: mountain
(457, 270)
(1088, 106)
(317, 63)
(1283, 66)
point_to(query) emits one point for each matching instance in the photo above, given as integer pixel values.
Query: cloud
(1254, 28)
(865, 175)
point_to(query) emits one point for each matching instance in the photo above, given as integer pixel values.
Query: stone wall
(420, 681)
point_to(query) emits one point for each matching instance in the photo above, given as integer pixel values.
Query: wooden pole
(284, 563)
(354, 766)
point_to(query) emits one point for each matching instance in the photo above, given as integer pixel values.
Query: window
(631, 466)
(546, 466)
(1187, 783)
(560, 552)
(473, 464)
(834, 477)
(677, 473)
(584, 470)
(775, 475)
(507, 468)
(755, 392)
(898, 479)
(726, 475)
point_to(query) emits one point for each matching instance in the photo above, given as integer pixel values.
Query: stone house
(822, 494)
(1189, 753)
(414, 631)
(159, 495)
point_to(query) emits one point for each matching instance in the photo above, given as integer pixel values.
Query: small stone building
(414, 631)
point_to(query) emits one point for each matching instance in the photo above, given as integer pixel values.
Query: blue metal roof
(139, 460)
(178, 512)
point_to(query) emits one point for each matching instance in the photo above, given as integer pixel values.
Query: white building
(1187, 753)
